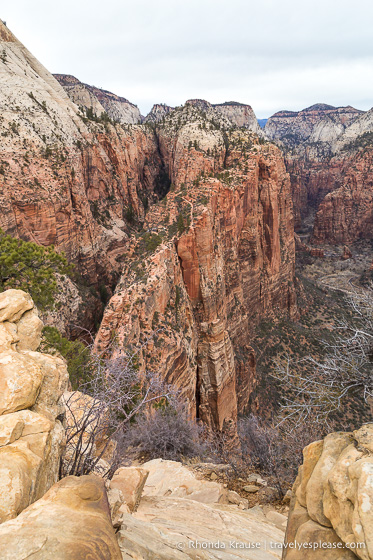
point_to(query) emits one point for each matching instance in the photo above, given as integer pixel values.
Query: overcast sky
(272, 54)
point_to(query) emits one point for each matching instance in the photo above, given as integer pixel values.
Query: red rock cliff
(225, 258)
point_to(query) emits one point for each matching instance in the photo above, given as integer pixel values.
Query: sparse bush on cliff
(165, 432)
(111, 401)
(76, 354)
(32, 268)
(276, 453)
(320, 388)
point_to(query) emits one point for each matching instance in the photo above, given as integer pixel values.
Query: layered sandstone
(158, 112)
(182, 518)
(70, 522)
(215, 255)
(333, 498)
(31, 384)
(318, 123)
(346, 214)
(328, 152)
(236, 114)
(64, 179)
(100, 100)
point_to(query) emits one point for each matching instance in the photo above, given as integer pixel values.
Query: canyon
(186, 220)
(181, 228)
(328, 153)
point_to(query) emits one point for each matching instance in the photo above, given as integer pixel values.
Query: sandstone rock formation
(237, 114)
(180, 517)
(333, 498)
(100, 101)
(64, 179)
(328, 155)
(319, 123)
(31, 384)
(158, 112)
(70, 522)
(217, 253)
(345, 214)
(130, 481)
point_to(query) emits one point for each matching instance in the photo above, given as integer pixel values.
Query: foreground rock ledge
(31, 384)
(333, 498)
(71, 522)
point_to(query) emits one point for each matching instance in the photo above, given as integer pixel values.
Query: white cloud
(270, 54)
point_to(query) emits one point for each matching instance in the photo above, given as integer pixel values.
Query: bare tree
(274, 452)
(102, 410)
(314, 389)
(166, 432)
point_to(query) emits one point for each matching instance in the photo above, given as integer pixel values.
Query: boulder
(31, 384)
(333, 497)
(170, 478)
(71, 522)
(130, 481)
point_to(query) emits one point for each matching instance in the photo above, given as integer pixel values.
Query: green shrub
(76, 354)
(27, 266)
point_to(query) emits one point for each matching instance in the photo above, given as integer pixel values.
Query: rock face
(224, 252)
(181, 518)
(158, 112)
(319, 123)
(71, 522)
(333, 498)
(240, 115)
(346, 214)
(237, 114)
(328, 155)
(64, 179)
(31, 384)
(100, 101)
(217, 253)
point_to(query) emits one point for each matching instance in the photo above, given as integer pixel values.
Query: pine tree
(32, 268)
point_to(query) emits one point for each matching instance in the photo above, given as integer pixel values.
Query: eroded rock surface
(333, 498)
(181, 517)
(70, 522)
(328, 153)
(216, 255)
(31, 384)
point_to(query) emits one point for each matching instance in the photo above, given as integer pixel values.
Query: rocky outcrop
(333, 499)
(216, 254)
(180, 517)
(239, 114)
(158, 112)
(31, 384)
(345, 214)
(67, 180)
(71, 522)
(328, 154)
(236, 114)
(318, 123)
(100, 101)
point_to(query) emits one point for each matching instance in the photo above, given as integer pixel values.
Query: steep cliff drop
(328, 154)
(216, 254)
(68, 178)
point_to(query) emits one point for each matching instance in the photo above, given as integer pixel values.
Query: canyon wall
(328, 152)
(216, 254)
(64, 179)
(194, 211)
(100, 101)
